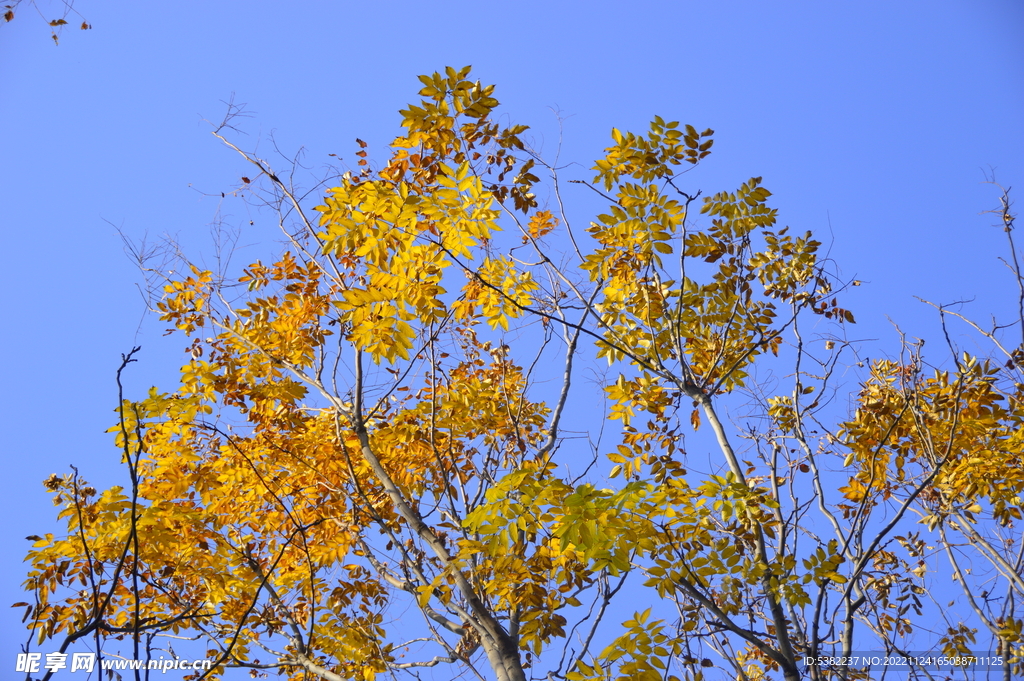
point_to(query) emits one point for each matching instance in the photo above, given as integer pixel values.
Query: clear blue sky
(873, 123)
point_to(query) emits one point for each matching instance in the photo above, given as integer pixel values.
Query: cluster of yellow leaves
(649, 158)
(218, 510)
(439, 130)
(639, 653)
(653, 317)
(500, 290)
(965, 427)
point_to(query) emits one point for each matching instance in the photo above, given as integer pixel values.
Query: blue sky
(873, 123)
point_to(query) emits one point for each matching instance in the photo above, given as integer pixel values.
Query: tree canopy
(385, 454)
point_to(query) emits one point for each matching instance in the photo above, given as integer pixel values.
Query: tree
(372, 422)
